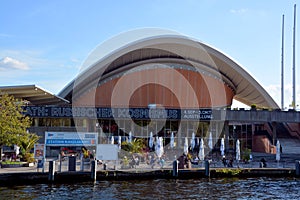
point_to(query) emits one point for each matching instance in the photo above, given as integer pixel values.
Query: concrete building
(159, 84)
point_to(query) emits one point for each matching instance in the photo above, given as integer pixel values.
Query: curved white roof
(172, 48)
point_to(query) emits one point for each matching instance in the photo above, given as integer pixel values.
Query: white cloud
(8, 63)
(30, 57)
(275, 92)
(238, 11)
(75, 60)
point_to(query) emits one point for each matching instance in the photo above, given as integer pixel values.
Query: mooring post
(51, 170)
(207, 171)
(297, 168)
(175, 168)
(81, 163)
(116, 165)
(72, 163)
(60, 162)
(94, 170)
(43, 164)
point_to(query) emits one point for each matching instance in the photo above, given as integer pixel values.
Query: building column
(253, 131)
(274, 126)
(226, 131)
(36, 122)
(218, 131)
(179, 135)
(132, 127)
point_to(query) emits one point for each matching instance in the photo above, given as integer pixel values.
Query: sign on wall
(70, 139)
(39, 151)
(119, 113)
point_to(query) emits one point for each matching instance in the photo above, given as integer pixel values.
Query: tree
(27, 142)
(136, 146)
(14, 124)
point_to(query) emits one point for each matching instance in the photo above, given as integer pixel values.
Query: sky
(45, 42)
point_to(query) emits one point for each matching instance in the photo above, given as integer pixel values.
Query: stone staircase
(290, 152)
(290, 145)
(267, 156)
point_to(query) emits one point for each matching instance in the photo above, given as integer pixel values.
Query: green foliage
(253, 106)
(230, 172)
(8, 162)
(125, 161)
(28, 157)
(14, 125)
(189, 156)
(136, 146)
(86, 153)
(27, 143)
(246, 154)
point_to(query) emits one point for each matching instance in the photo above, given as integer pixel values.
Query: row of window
(143, 128)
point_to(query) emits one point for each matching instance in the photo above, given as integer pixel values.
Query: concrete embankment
(25, 178)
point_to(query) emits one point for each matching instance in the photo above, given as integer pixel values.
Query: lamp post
(98, 131)
(234, 138)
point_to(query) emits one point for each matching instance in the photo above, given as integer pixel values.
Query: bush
(246, 154)
(7, 162)
(28, 157)
(229, 172)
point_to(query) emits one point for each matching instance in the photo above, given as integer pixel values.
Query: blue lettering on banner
(67, 142)
(119, 113)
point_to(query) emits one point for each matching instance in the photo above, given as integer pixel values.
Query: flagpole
(294, 60)
(282, 65)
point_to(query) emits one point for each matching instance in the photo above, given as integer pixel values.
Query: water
(251, 188)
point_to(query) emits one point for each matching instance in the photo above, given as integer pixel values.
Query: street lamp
(98, 131)
(234, 138)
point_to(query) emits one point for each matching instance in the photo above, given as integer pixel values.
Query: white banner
(107, 152)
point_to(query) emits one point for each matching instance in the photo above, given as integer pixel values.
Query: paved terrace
(142, 166)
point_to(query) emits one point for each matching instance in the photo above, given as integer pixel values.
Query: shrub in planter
(246, 155)
(28, 157)
(11, 164)
(125, 163)
(253, 107)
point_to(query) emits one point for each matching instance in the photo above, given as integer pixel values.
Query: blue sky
(45, 42)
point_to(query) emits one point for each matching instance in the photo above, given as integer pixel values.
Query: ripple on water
(250, 188)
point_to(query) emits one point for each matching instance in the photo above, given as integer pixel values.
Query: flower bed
(10, 164)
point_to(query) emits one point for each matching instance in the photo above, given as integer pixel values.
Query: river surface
(251, 188)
